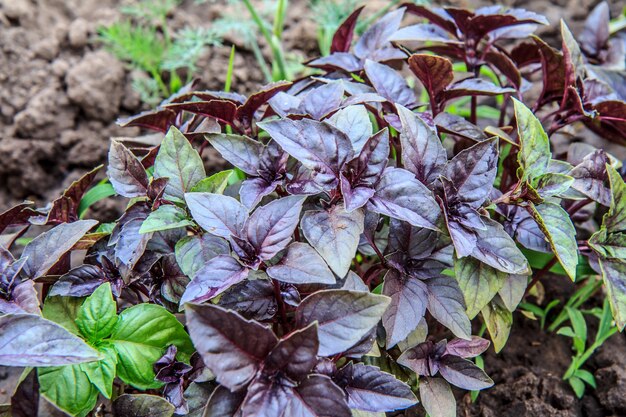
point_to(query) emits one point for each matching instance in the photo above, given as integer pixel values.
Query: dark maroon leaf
(159, 120)
(245, 112)
(215, 277)
(337, 61)
(400, 195)
(15, 216)
(422, 151)
(232, 347)
(457, 125)
(125, 172)
(343, 36)
(612, 120)
(295, 355)
(435, 73)
(409, 297)
(222, 110)
(553, 71)
(506, 66)
(253, 299)
(267, 397)
(463, 373)
(25, 399)
(389, 84)
(417, 358)
(370, 389)
(423, 32)
(436, 15)
(318, 396)
(474, 87)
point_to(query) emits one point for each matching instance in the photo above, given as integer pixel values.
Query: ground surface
(60, 95)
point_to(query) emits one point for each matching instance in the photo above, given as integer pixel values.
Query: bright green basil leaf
(499, 321)
(98, 314)
(69, 388)
(140, 337)
(63, 311)
(215, 184)
(166, 217)
(556, 224)
(178, 161)
(534, 154)
(102, 373)
(479, 283)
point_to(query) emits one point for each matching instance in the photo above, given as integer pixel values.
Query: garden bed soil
(61, 94)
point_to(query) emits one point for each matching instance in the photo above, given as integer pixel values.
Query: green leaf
(512, 290)
(178, 161)
(498, 320)
(437, 397)
(215, 184)
(102, 373)
(578, 386)
(99, 192)
(69, 388)
(586, 376)
(63, 311)
(609, 245)
(566, 331)
(166, 217)
(614, 276)
(615, 219)
(550, 184)
(556, 224)
(142, 405)
(140, 337)
(479, 283)
(98, 314)
(578, 323)
(534, 154)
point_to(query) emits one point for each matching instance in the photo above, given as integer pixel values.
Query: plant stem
(280, 302)
(540, 274)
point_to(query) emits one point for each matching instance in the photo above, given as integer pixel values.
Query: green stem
(258, 55)
(157, 77)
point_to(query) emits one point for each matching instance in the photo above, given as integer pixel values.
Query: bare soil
(60, 94)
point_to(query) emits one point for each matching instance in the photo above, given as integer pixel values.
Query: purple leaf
(142, 405)
(355, 197)
(496, 248)
(354, 121)
(192, 252)
(218, 214)
(595, 34)
(342, 39)
(129, 243)
(457, 125)
(254, 189)
(232, 347)
(320, 101)
(319, 146)
(417, 358)
(463, 373)
(473, 171)
(318, 396)
(337, 61)
(367, 168)
(409, 297)
(267, 397)
(436, 15)
(423, 32)
(159, 120)
(295, 355)
(506, 66)
(370, 389)
(422, 151)
(343, 317)
(221, 110)
(270, 228)
(446, 304)
(389, 84)
(127, 175)
(245, 112)
(253, 299)
(376, 38)
(224, 403)
(590, 176)
(467, 348)
(301, 265)
(31, 340)
(334, 233)
(79, 282)
(215, 277)
(23, 299)
(241, 151)
(46, 249)
(523, 228)
(400, 195)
